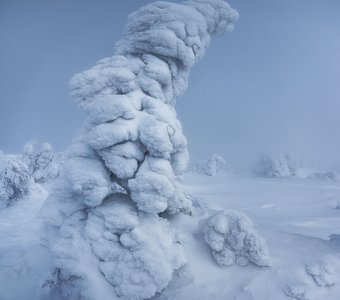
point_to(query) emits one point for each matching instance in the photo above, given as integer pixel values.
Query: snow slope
(295, 216)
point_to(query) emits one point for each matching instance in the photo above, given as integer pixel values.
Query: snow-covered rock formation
(233, 239)
(124, 168)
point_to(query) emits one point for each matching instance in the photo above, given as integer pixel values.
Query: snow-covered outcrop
(124, 168)
(210, 167)
(233, 239)
(14, 179)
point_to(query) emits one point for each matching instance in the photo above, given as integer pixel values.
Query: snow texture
(233, 239)
(298, 292)
(210, 167)
(14, 179)
(125, 166)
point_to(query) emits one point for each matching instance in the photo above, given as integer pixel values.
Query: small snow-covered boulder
(233, 239)
(14, 179)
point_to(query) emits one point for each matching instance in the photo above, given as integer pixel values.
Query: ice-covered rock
(233, 239)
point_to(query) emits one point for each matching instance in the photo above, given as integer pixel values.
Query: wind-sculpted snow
(129, 97)
(124, 168)
(233, 239)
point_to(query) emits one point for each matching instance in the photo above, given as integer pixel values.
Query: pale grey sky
(273, 85)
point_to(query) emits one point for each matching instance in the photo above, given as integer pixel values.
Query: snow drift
(124, 168)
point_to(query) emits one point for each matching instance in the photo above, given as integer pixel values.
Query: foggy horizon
(272, 85)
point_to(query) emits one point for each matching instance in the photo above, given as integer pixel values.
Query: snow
(232, 238)
(24, 259)
(131, 152)
(296, 217)
(14, 179)
(116, 220)
(288, 165)
(210, 167)
(41, 161)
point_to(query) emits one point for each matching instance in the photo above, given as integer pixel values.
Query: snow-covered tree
(209, 167)
(124, 169)
(14, 179)
(281, 165)
(288, 165)
(39, 158)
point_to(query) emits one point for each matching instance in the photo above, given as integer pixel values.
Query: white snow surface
(296, 217)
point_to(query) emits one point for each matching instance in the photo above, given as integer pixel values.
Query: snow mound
(210, 167)
(14, 179)
(233, 239)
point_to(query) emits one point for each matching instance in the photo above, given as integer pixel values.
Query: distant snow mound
(233, 239)
(40, 160)
(210, 167)
(14, 179)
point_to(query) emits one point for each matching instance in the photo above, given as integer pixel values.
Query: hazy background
(273, 85)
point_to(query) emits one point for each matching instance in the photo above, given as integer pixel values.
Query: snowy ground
(296, 217)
